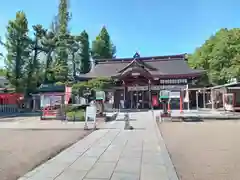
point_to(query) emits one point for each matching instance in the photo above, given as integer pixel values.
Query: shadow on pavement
(11, 115)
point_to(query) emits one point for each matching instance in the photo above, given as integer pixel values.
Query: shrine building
(140, 80)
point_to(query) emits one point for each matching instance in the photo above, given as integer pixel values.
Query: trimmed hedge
(76, 115)
(75, 112)
(72, 107)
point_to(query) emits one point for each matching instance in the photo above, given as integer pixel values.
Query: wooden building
(222, 97)
(139, 80)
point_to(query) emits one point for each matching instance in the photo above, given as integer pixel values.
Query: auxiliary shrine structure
(140, 80)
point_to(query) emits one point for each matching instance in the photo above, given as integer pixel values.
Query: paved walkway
(112, 153)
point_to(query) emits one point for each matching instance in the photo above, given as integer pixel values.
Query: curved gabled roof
(158, 66)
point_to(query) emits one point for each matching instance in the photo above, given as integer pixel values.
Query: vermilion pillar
(169, 107)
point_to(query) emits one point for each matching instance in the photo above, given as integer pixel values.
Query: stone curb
(171, 172)
(202, 118)
(12, 115)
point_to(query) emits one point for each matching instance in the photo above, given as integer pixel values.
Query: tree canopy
(84, 54)
(52, 54)
(219, 56)
(102, 46)
(18, 52)
(2, 72)
(94, 84)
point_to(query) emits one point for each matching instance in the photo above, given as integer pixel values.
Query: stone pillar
(186, 98)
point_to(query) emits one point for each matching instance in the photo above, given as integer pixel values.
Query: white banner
(137, 88)
(174, 95)
(169, 87)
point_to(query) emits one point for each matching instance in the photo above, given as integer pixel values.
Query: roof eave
(177, 56)
(192, 75)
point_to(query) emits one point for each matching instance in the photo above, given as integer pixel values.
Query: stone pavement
(112, 153)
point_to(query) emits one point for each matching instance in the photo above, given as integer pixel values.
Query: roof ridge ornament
(136, 55)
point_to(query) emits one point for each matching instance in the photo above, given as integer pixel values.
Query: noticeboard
(50, 100)
(100, 95)
(175, 94)
(90, 114)
(164, 94)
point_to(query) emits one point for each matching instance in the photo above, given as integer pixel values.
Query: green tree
(219, 56)
(61, 66)
(33, 66)
(63, 17)
(49, 46)
(84, 54)
(2, 44)
(73, 47)
(2, 72)
(18, 50)
(102, 46)
(92, 86)
(96, 84)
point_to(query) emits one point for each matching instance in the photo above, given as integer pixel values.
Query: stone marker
(127, 123)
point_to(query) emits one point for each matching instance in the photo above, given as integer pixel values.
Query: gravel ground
(204, 151)
(22, 150)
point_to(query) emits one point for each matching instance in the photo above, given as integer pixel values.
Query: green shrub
(71, 107)
(79, 115)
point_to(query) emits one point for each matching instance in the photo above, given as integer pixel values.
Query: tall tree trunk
(74, 64)
(17, 69)
(32, 65)
(48, 64)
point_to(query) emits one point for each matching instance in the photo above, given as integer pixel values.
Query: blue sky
(151, 27)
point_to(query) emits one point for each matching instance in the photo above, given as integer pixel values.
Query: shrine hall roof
(157, 66)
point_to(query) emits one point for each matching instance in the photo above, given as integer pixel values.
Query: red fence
(10, 98)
